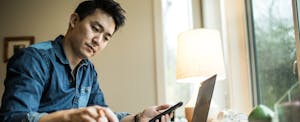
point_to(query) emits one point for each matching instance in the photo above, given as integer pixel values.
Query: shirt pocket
(84, 96)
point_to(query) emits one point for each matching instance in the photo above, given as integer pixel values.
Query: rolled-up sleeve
(121, 115)
(34, 116)
(24, 85)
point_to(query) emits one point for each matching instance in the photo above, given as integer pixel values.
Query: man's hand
(152, 111)
(88, 114)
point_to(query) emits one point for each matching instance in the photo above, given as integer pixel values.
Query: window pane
(176, 19)
(274, 48)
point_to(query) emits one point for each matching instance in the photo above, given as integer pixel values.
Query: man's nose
(96, 41)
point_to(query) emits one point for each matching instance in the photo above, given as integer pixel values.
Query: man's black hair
(108, 6)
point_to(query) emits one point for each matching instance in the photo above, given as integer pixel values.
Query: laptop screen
(203, 99)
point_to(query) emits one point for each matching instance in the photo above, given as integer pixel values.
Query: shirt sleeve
(121, 115)
(24, 84)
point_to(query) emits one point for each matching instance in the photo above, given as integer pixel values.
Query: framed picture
(14, 44)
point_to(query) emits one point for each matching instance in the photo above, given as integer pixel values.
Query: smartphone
(169, 111)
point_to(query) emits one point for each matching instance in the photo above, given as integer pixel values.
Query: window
(176, 18)
(273, 51)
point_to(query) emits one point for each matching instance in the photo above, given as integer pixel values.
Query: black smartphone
(169, 111)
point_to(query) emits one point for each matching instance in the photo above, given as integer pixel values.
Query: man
(55, 82)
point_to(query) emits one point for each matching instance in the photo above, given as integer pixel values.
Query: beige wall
(126, 67)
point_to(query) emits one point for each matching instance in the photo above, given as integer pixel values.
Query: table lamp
(199, 55)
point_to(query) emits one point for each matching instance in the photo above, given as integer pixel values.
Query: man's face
(91, 34)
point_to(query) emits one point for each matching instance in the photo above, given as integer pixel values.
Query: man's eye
(95, 29)
(106, 38)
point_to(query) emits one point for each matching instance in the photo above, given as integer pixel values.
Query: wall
(126, 68)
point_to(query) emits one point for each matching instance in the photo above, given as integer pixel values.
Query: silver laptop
(203, 99)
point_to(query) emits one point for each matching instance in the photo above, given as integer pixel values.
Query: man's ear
(74, 19)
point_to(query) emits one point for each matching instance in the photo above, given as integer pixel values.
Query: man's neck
(71, 56)
(73, 61)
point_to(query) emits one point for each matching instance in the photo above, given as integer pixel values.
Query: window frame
(251, 42)
(255, 88)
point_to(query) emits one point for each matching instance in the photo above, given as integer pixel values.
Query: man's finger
(110, 115)
(162, 107)
(87, 118)
(102, 116)
(101, 113)
(92, 111)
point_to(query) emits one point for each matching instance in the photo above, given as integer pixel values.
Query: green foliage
(275, 53)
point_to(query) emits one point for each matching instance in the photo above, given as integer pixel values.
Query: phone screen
(168, 111)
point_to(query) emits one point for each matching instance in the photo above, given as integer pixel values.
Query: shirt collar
(60, 53)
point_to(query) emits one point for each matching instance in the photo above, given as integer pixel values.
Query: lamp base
(189, 111)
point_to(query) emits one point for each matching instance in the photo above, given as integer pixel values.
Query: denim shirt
(39, 80)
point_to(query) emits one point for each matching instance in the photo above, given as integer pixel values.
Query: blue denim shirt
(39, 80)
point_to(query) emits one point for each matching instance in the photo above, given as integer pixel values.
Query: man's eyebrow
(98, 24)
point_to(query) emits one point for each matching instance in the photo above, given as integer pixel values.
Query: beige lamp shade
(199, 54)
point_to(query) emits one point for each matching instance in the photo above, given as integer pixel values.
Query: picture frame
(14, 44)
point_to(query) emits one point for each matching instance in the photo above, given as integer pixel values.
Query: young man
(55, 82)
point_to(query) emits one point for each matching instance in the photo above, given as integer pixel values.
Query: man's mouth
(91, 48)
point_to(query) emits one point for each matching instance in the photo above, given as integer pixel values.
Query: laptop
(203, 99)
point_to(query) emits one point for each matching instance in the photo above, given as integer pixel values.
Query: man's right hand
(88, 114)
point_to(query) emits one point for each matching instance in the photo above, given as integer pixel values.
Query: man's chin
(86, 56)
(90, 55)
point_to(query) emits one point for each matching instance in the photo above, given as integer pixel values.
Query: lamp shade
(199, 54)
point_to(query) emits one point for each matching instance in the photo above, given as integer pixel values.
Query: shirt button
(86, 90)
(75, 100)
